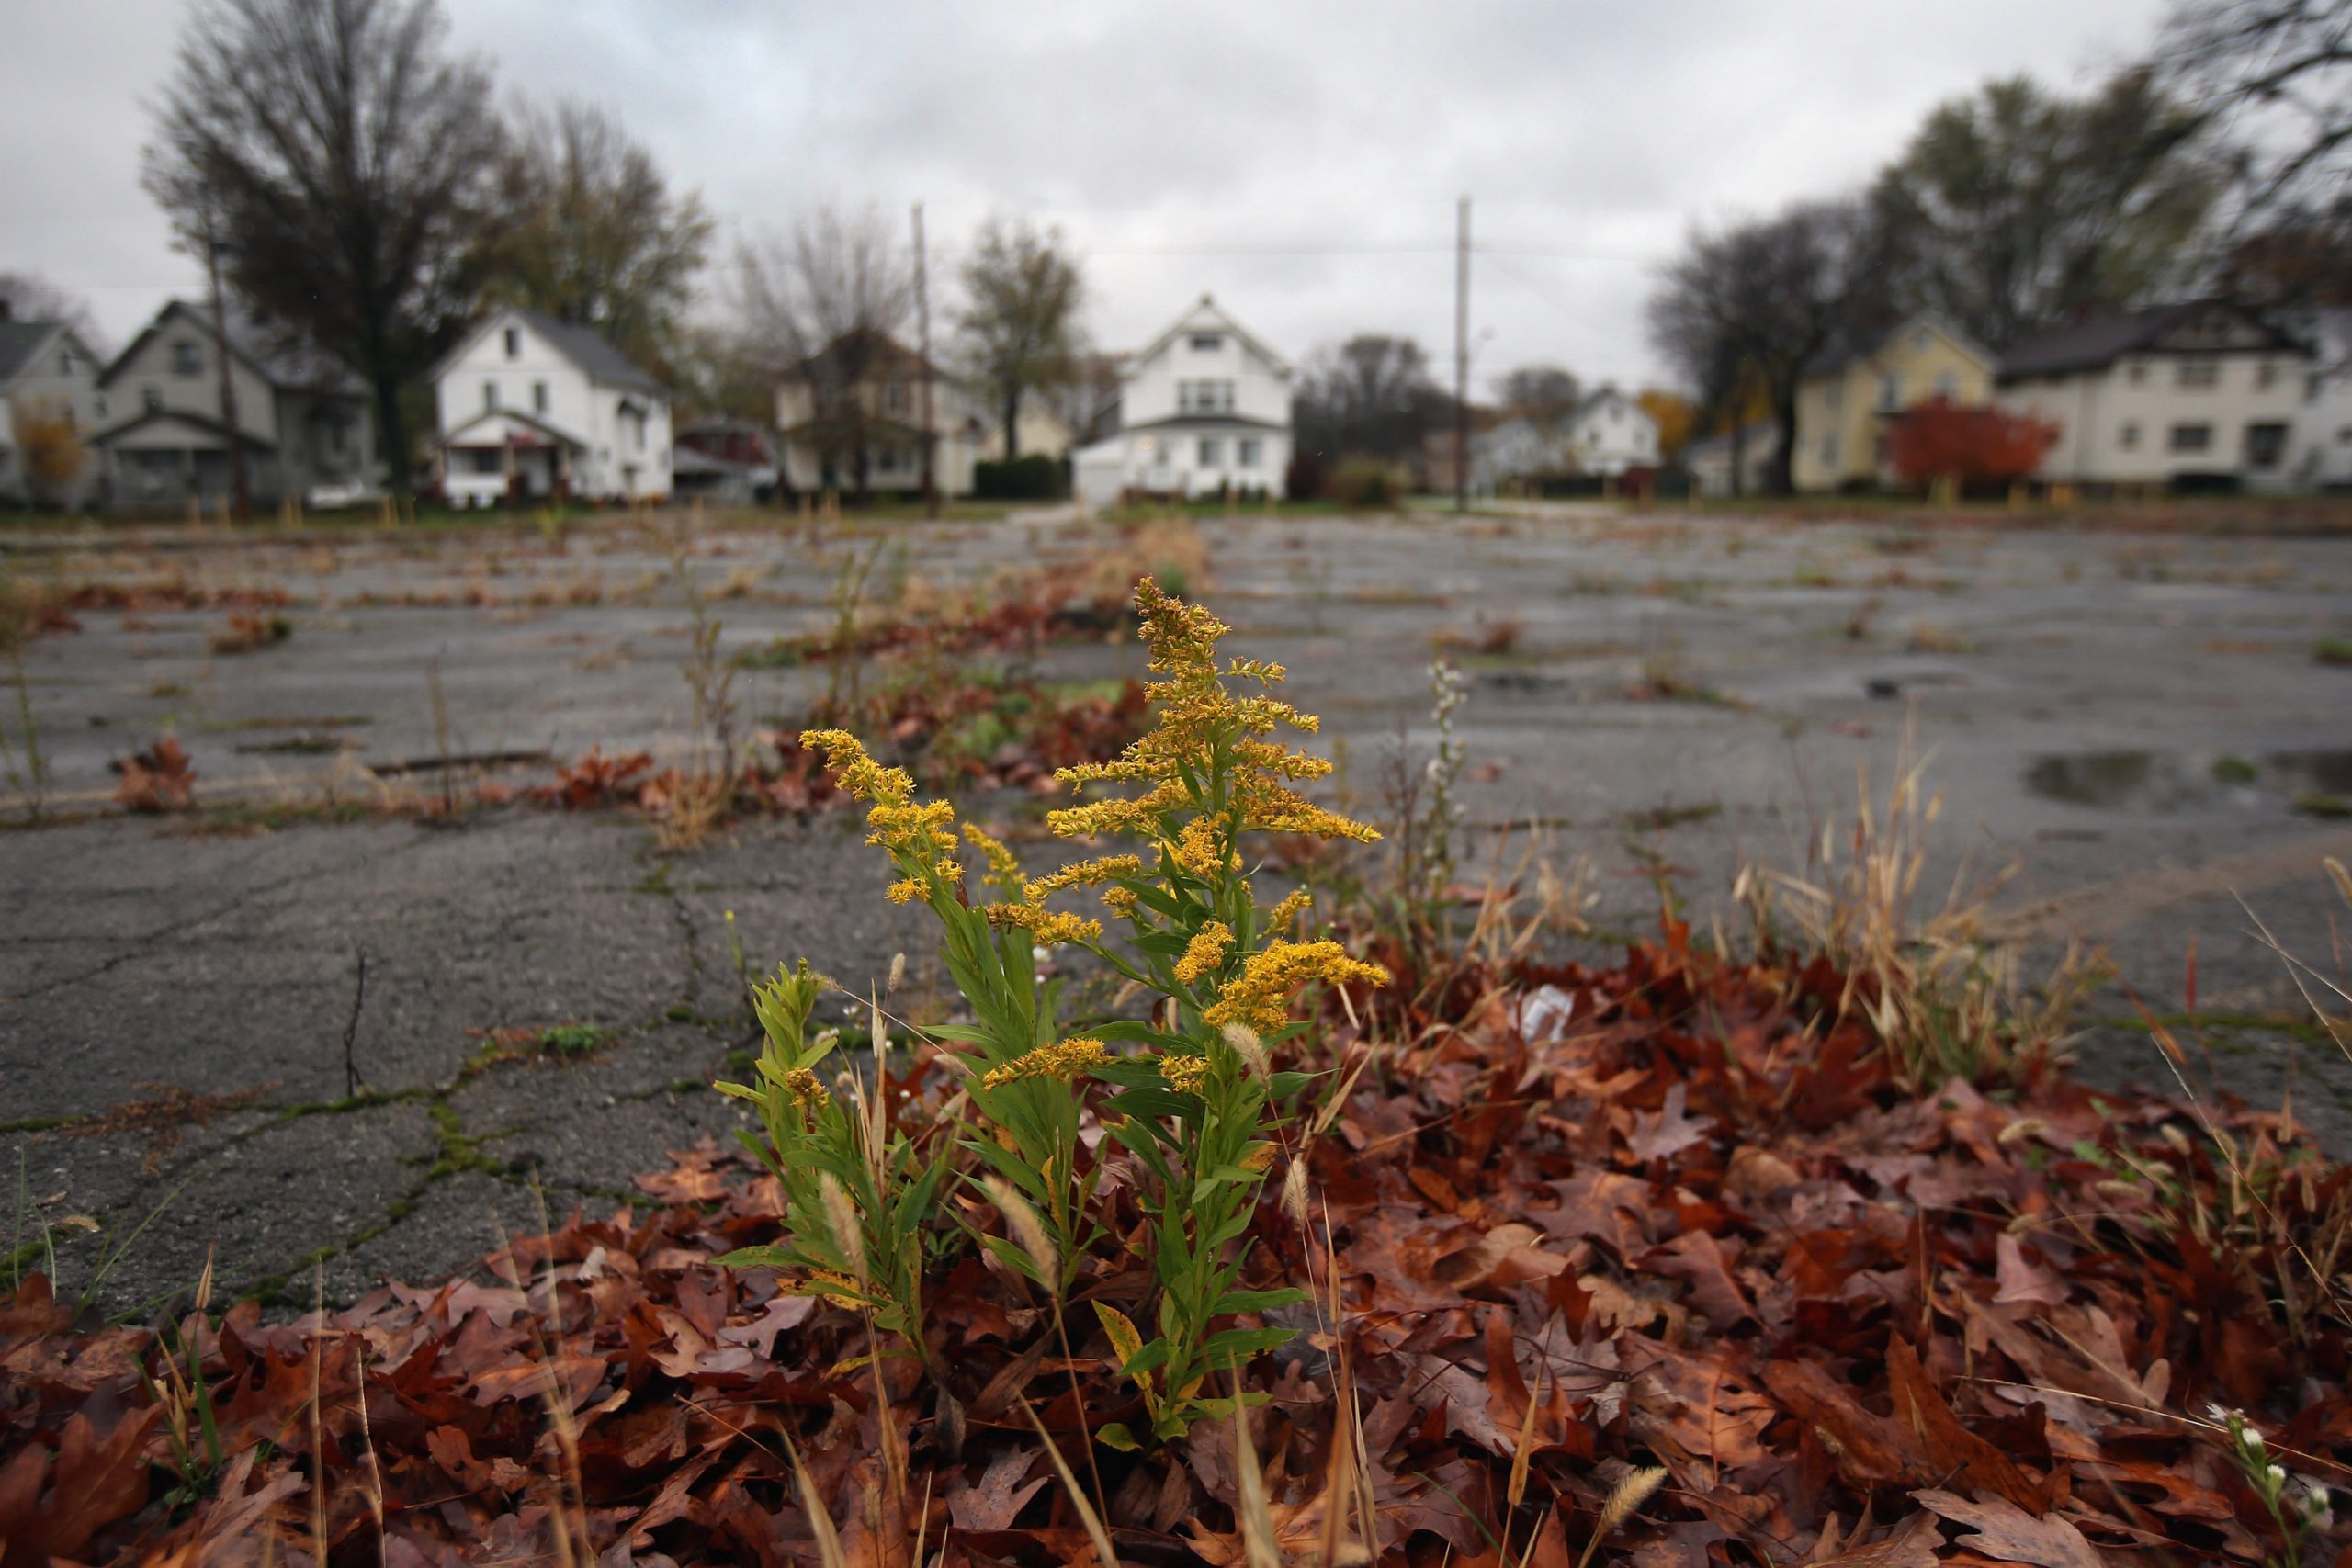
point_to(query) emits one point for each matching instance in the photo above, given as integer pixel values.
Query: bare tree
(821, 303)
(342, 160)
(1021, 329)
(590, 231)
(2277, 75)
(1373, 394)
(28, 297)
(1543, 393)
(1762, 298)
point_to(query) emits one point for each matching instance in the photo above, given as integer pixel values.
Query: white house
(2323, 458)
(1602, 438)
(534, 408)
(46, 372)
(2199, 394)
(1711, 461)
(1203, 407)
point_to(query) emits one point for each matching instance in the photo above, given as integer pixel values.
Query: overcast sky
(1300, 159)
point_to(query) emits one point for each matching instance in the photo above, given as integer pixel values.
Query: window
(2135, 372)
(2311, 386)
(2129, 436)
(102, 405)
(187, 359)
(1890, 392)
(1205, 397)
(513, 344)
(2200, 373)
(2264, 375)
(2344, 437)
(1248, 452)
(1919, 341)
(152, 397)
(894, 397)
(1948, 386)
(2265, 446)
(1207, 343)
(1829, 450)
(539, 397)
(490, 397)
(65, 362)
(1212, 452)
(2192, 437)
(885, 460)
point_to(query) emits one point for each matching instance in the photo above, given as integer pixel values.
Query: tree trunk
(1739, 459)
(1013, 422)
(393, 435)
(1783, 480)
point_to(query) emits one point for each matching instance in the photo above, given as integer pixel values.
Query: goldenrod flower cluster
(1260, 994)
(806, 1091)
(1202, 729)
(1064, 1060)
(915, 833)
(1184, 1074)
(1203, 952)
(1004, 870)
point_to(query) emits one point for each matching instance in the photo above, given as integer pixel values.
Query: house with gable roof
(46, 371)
(1203, 407)
(302, 417)
(531, 408)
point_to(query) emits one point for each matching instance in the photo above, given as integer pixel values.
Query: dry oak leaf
(2008, 1534)
(1668, 1130)
(1950, 1448)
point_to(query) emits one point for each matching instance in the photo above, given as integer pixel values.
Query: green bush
(1366, 481)
(1032, 478)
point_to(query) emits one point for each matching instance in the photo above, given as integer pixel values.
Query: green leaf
(758, 1258)
(1115, 1435)
(1255, 1300)
(1237, 1345)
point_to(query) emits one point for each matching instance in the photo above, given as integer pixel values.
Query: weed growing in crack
(1198, 1105)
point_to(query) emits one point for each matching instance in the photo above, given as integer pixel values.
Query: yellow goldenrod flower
(1081, 874)
(1004, 870)
(906, 890)
(1045, 927)
(1184, 1074)
(1260, 994)
(1203, 952)
(1289, 909)
(805, 1089)
(1065, 1060)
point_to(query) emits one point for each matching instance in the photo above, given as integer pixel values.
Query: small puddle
(2316, 773)
(2133, 780)
(2093, 778)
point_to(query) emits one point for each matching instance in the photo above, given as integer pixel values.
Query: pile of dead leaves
(160, 779)
(1576, 1224)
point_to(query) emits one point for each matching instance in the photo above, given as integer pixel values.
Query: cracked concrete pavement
(2136, 723)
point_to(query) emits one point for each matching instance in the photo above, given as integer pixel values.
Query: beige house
(302, 418)
(1850, 393)
(850, 419)
(1042, 433)
(2203, 394)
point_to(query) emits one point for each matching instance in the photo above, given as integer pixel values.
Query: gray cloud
(1301, 159)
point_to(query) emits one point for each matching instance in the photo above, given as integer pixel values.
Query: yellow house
(1848, 393)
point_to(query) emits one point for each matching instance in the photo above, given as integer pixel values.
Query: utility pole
(228, 381)
(923, 328)
(1462, 360)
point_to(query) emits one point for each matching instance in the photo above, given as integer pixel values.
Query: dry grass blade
(1086, 1514)
(1524, 1451)
(821, 1523)
(1253, 1513)
(1628, 1494)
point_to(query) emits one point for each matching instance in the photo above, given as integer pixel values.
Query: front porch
(508, 459)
